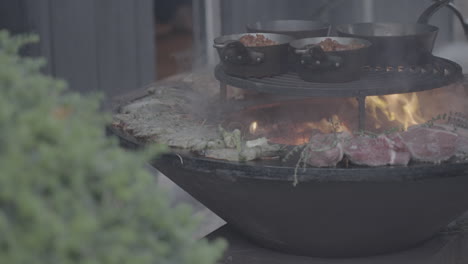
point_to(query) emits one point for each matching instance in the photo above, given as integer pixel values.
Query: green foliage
(68, 194)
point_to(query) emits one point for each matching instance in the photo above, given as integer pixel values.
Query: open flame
(293, 123)
(382, 112)
(402, 109)
(298, 133)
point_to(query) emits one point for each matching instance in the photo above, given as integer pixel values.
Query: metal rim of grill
(376, 81)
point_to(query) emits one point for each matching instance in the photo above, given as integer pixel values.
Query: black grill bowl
(331, 213)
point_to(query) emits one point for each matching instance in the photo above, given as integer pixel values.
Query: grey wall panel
(39, 22)
(104, 45)
(12, 15)
(74, 49)
(145, 42)
(116, 44)
(199, 34)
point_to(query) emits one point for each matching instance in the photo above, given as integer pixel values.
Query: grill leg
(223, 91)
(362, 112)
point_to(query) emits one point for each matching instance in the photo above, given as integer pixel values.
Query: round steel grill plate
(376, 81)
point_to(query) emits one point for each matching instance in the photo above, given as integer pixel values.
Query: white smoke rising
(457, 52)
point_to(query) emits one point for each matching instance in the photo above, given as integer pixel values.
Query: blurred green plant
(68, 194)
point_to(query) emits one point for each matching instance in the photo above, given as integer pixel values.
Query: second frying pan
(395, 44)
(294, 28)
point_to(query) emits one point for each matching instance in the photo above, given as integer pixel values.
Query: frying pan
(395, 44)
(295, 28)
(240, 60)
(316, 65)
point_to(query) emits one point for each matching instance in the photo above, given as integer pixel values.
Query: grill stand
(361, 105)
(376, 81)
(362, 112)
(223, 91)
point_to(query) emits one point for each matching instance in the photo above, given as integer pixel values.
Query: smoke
(457, 52)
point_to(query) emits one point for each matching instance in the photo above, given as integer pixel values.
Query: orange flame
(382, 112)
(401, 108)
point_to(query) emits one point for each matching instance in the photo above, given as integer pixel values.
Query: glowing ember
(297, 133)
(253, 127)
(403, 109)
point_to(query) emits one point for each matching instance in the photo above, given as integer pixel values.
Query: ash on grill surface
(180, 113)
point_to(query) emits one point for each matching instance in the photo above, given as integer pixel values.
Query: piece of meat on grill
(377, 151)
(403, 155)
(430, 144)
(462, 139)
(324, 150)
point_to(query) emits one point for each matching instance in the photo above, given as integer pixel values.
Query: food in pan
(333, 45)
(257, 40)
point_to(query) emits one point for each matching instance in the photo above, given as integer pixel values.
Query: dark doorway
(174, 36)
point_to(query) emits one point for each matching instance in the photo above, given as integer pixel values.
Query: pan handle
(431, 10)
(234, 52)
(460, 17)
(313, 57)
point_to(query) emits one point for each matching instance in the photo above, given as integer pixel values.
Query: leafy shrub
(68, 194)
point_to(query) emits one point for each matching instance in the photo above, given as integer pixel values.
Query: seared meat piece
(430, 144)
(324, 150)
(403, 155)
(379, 151)
(462, 140)
(462, 145)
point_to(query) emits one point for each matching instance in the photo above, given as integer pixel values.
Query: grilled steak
(379, 151)
(430, 144)
(462, 140)
(324, 150)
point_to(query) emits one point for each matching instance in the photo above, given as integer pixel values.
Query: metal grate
(376, 81)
